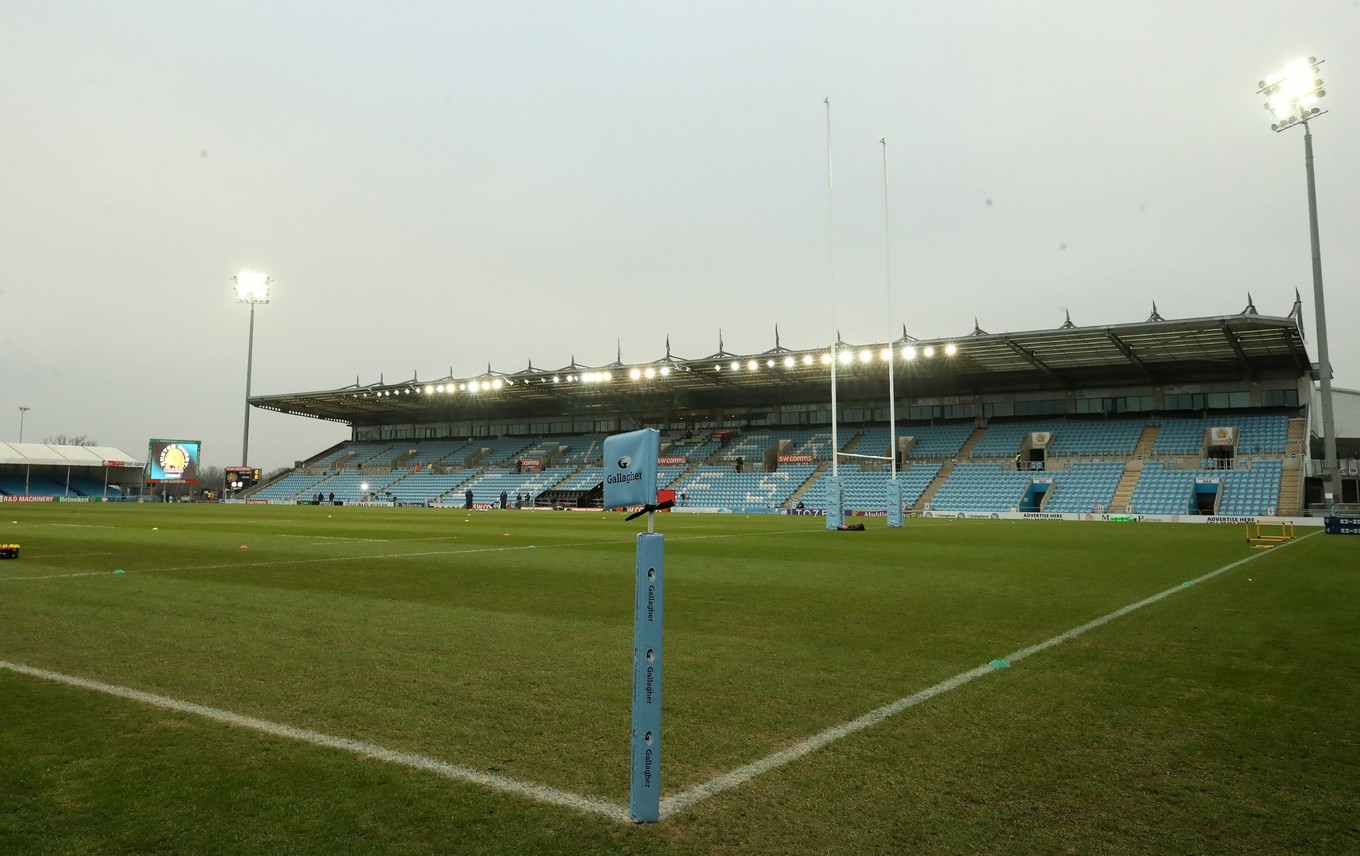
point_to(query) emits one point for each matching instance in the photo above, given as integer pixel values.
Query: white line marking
(692, 796)
(541, 793)
(670, 805)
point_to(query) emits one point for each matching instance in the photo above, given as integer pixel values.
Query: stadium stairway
(807, 485)
(934, 487)
(965, 452)
(1143, 450)
(1123, 493)
(1291, 477)
(1290, 502)
(1295, 435)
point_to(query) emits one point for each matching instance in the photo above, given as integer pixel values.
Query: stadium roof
(1242, 347)
(50, 455)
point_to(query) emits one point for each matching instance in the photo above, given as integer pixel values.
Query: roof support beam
(1130, 356)
(1237, 349)
(1031, 358)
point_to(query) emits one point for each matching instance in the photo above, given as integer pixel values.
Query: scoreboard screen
(239, 478)
(172, 461)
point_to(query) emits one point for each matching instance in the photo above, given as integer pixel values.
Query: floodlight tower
(251, 288)
(1291, 97)
(22, 411)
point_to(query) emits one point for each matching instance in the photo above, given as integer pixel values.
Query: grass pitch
(1218, 719)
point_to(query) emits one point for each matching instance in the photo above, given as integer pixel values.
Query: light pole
(251, 288)
(22, 411)
(1291, 97)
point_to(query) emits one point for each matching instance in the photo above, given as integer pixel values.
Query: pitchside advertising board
(1342, 525)
(172, 461)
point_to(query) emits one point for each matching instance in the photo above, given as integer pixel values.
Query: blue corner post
(630, 463)
(644, 793)
(894, 504)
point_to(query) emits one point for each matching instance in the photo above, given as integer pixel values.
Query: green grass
(1220, 719)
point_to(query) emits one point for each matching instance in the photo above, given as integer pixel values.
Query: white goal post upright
(893, 490)
(834, 496)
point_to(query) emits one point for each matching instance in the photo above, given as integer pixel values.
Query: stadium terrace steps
(966, 450)
(1295, 435)
(1147, 441)
(1123, 492)
(1291, 490)
(923, 502)
(807, 485)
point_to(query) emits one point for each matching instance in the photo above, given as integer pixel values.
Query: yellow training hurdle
(1269, 537)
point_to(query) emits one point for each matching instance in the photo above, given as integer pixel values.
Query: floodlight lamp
(807, 359)
(847, 357)
(769, 364)
(649, 373)
(826, 359)
(951, 349)
(496, 384)
(665, 371)
(251, 287)
(885, 355)
(908, 353)
(635, 374)
(439, 388)
(752, 365)
(928, 351)
(736, 366)
(865, 356)
(1296, 88)
(486, 385)
(363, 486)
(788, 362)
(557, 379)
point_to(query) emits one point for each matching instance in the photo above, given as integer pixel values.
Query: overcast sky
(438, 186)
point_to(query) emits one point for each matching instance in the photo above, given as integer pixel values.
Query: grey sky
(447, 185)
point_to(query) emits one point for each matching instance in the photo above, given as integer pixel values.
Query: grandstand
(1206, 416)
(48, 473)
